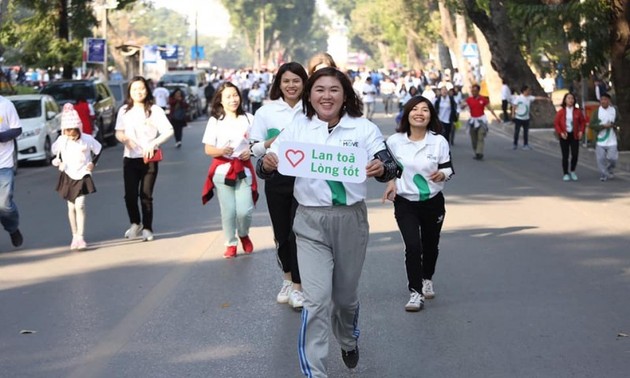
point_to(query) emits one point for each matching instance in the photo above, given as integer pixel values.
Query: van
(195, 79)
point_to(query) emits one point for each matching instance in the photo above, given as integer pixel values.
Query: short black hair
(605, 95)
(352, 104)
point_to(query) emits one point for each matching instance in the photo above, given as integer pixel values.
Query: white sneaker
(427, 289)
(133, 231)
(416, 302)
(296, 299)
(147, 235)
(285, 292)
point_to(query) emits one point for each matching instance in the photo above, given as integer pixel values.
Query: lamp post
(104, 6)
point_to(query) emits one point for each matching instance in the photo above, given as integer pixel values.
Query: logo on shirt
(431, 157)
(349, 143)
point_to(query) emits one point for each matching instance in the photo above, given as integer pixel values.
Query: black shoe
(16, 238)
(351, 358)
(478, 157)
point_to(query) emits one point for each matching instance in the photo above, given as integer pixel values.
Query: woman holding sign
(231, 172)
(330, 223)
(269, 121)
(417, 194)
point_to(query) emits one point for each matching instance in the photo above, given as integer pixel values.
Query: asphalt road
(533, 279)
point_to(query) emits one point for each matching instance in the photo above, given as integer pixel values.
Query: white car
(41, 125)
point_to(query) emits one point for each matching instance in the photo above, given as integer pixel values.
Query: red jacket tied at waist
(235, 172)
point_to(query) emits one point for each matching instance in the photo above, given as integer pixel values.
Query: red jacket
(236, 172)
(83, 109)
(560, 122)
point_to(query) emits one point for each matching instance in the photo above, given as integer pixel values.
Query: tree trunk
(490, 76)
(412, 54)
(463, 65)
(620, 48)
(64, 33)
(507, 59)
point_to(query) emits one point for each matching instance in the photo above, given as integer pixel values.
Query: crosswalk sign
(470, 50)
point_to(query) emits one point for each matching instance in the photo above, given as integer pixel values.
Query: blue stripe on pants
(306, 369)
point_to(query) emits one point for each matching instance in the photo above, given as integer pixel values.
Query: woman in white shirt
(231, 172)
(417, 194)
(142, 127)
(269, 121)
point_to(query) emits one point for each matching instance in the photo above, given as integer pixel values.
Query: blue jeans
(237, 206)
(9, 216)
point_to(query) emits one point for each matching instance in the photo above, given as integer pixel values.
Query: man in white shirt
(604, 122)
(10, 129)
(506, 99)
(369, 96)
(161, 96)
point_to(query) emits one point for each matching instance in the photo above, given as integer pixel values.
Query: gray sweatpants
(331, 244)
(606, 158)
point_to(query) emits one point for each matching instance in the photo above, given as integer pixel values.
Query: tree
(620, 46)
(49, 33)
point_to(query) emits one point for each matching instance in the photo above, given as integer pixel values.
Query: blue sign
(470, 50)
(197, 52)
(169, 52)
(96, 49)
(150, 54)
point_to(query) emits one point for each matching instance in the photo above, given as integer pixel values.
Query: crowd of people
(310, 216)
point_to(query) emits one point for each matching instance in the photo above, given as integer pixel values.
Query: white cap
(70, 118)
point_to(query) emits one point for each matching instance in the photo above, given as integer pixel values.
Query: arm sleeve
(445, 164)
(258, 135)
(9, 135)
(13, 120)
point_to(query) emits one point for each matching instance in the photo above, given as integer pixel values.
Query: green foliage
(289, 25)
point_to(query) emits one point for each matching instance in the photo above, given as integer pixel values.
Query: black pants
(282, 206)
(524, 123)
(447, 129)
(139, 181)
(504, 108)
(178, 129)
(420, 224)
(565, 144)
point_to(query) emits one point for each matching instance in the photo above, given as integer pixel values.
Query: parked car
(190, 97)
(41, 125)
(119, 90)
(96, 93)
(195, 79)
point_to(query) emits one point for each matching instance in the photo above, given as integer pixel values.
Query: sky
(213, 18)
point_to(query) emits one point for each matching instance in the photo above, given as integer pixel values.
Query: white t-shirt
(9, 119)
(233, 132)
(369, 92)
(388, 88)
(506, 93)
(444, 112)
(569, 119)
(76, 154)
(270, 120)
(521, 106)
(607, 137)
(355, 132)
(142, 130)
(161, 97)
(420, 159)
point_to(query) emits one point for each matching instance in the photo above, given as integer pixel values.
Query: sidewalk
(546, 139)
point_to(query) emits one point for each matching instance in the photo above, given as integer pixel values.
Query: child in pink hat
(77, 153)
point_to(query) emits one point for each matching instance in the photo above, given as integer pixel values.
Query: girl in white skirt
(77, 153)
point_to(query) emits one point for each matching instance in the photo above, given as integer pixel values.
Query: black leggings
(139, 181)
(282, 206)
(420, 224)
(574, 144)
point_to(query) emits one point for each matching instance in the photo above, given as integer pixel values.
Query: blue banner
(150, 54)
(96, 50)
(169, 52)
(197, 52)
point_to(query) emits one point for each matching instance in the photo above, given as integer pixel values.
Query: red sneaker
(248, 247)
(230, 252)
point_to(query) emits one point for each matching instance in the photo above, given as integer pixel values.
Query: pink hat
(70, 118)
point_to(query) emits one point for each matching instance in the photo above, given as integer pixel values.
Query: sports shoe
(285, 292)
(74, 245)
(133, 231)
(248, 247)
(296, 299)
(603, 177)
(566, 177)
(416, 302)
(527, 147)
(147, 235)
(16, 238)
(427, 289)
(350, 358)
(178, 144)
(573, 176)
(81, 244)
(515, 147)
(230, 252)
(611, 175)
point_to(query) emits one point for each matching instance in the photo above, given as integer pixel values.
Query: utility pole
(262, 33)
(196, 41)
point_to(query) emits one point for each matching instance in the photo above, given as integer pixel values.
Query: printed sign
(317, 161)
(96, 50)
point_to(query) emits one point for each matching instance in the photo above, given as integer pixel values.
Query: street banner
(95, 50)
(150, 54)
(169, 52)
(318, 161)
